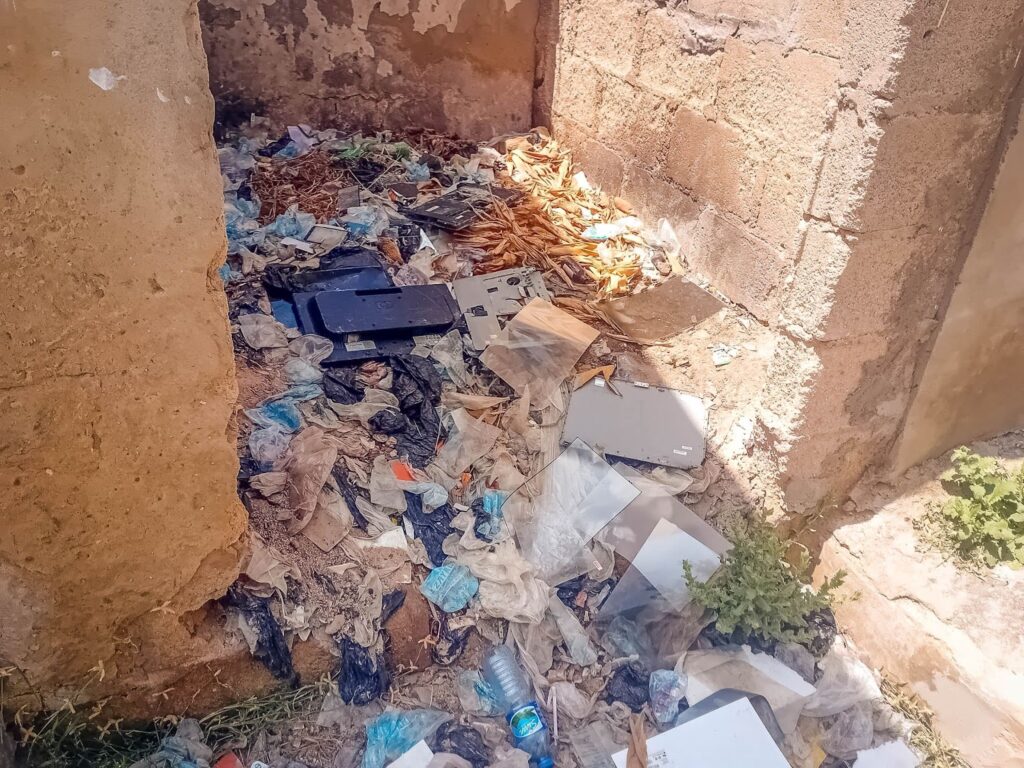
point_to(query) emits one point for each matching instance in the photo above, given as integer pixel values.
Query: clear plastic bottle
(530, 733)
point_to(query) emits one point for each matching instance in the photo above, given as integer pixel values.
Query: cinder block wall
(452, 65)
(824, 162)
(117, 466)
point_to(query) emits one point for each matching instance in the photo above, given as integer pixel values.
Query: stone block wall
(453, 65)
(117, 386)
(824, 163)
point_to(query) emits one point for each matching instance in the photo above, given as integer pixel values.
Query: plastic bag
(464, 741)
(431, 528)
(291, 223)
(185, 749)
(851, 731)
(267, 446)
(392, 734)
(473, 439)
(362, 677)
(308, 462)
(384, 490)
(282, 414)
(311, 348)
(845, 681)
(667, 689)
(508, 588)
(365, 221)
(569, 700)
(299, 371)
(262, 331)
(450, 587)
(475, 694)
(629, 684)
(449, 352)
(538, 349)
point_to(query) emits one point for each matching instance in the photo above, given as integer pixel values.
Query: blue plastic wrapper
(450, 587)
(291, 223)
(417, 171)
(667, 689)
(392, 734)
(281, 413)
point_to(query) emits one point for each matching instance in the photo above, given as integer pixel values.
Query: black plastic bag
(362, 677)
(271, 649)
(391, 603)
(433, 528)
(629, 684)
(464, 741)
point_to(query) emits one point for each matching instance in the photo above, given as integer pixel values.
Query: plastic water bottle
(529, 731)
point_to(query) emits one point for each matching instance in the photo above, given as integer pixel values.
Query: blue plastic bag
(450, 587)
(392, 734)
(281, 413)
(291, 223)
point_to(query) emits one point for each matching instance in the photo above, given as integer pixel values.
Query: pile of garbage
(420, 318)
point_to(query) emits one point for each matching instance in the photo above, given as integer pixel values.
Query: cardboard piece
(662, 311)
(730, 737)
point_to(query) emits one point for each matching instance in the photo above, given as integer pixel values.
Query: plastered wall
(971, 384)
(821, 161)
(116, 384)
(457, 65)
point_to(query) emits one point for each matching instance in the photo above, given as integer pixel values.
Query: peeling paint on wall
(459, 65)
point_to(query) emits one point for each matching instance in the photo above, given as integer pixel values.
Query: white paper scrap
(895, 754)
(730, 737)
(417, 757)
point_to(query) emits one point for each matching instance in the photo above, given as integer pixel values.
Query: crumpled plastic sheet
(464, 741)
(450, 587)
(845, 681)
(374, 401)
(629, 684)
(471, 440)
(594, 744)
(308, 462)
(268, 445)
(797, 658)
(561, 508)
(449, 353)
(487, 517)
(432, 494)
(581, 651)
(262, 331)
(447, 759)
(538, 349)
(504, 757)
(536, 644)
(569, 700)
(263, 633)
(291, 223)
(185, 749)
(850, 731)
(508, 588)
(283, 414)
(299, 371)
(417, 385)
(384, 489)
(667, 689)
(475, 694)
(311, 348)
(393, 733)
(362, 676)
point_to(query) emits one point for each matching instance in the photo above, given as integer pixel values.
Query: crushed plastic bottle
(450, 587)
(530, 733)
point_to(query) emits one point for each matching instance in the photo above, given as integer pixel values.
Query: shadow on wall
(465, 66)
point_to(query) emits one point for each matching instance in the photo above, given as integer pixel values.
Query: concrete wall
(455, 65)
(822, 161)
(116, 383)
(970, 387)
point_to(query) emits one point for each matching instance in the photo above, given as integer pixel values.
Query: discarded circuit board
(485, 299)
(458, 209)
